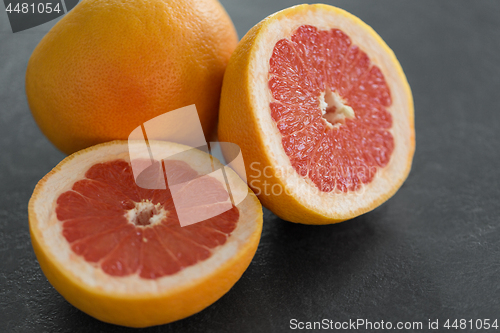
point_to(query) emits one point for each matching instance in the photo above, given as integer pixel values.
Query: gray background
(430, 252)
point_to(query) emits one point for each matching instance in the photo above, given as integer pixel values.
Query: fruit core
(146, 213)
(334, 109)
(125, 229)
(329, 103)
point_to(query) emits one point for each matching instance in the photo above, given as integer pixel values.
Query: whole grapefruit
(108, 66)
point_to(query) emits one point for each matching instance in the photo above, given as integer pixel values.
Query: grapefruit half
(323, 114)
(117, 251)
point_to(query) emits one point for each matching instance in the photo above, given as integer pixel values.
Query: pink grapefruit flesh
(311, 75)
(125, 229)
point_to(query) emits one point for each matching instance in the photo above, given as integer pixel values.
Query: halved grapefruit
(323, 114)
(117, 251)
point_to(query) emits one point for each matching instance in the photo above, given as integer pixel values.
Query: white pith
(147, 206)
(49, 229)
(336, 204)
(335, 119)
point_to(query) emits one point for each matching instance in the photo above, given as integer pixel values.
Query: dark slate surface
(431, 252)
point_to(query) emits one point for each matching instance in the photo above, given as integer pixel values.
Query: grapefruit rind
(106, 67)
(245, 119)
(131, 300)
